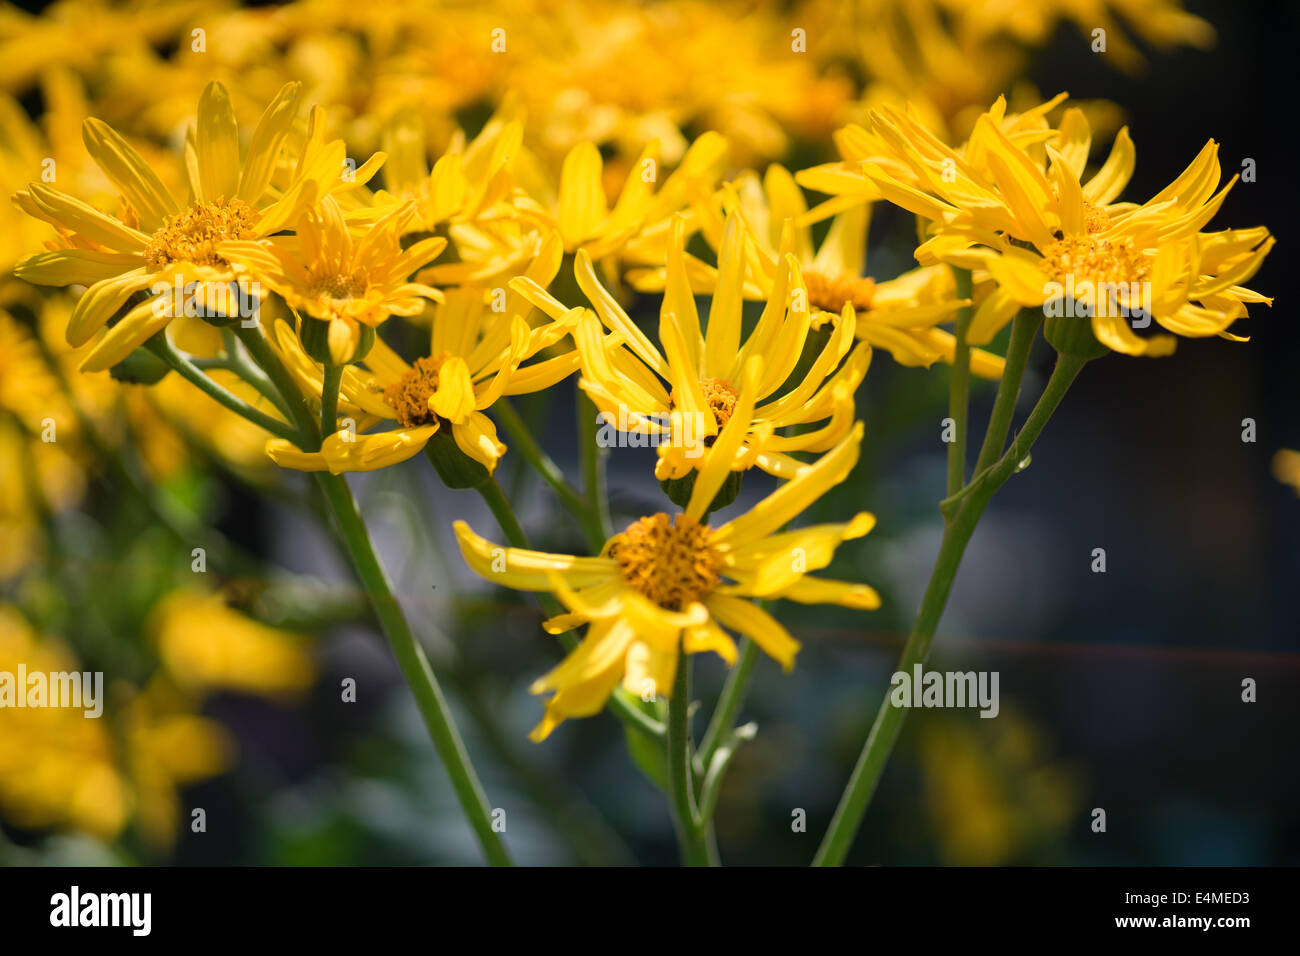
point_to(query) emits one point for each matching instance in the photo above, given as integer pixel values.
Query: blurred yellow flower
(207, 646)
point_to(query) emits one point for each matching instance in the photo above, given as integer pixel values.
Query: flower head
(669, 585)
(159, 242)
(1013, 202)
(709, 383)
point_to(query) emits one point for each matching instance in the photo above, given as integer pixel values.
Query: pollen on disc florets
(1088, 258)
(193, 235)
(339, 286)
(719, 394)
(409, 395)
(832, 293)
(669, 561)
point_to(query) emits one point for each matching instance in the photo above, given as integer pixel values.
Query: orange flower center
(832, 293)
(1099, 261)
(409, 395)
(344, 286)
(193, 235)
(669, 561)
(719, 394)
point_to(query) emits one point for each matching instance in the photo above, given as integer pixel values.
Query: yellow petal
(132, 176)
(756, 624)
(216, 142)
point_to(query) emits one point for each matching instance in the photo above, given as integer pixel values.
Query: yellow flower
(206, 645)
(685, 395)
(59, 768)
(667, 585)
(900, 315)
(581, 213)
(1013, 202)
(158, 241)
(468, 183)
(1286, 467)
(477, 355)
(324, 272)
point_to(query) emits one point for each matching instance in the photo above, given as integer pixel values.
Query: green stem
(593, 465)
(329, 399)
(959, 388)
(237, 362)
(414, 664)
(265, 358)
(187, 370)
(550, 472)
(729, 701)
(691, 839)
(959, 528)
(492, 493)
(1023, 330)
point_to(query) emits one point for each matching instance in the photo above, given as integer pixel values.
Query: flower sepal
(1073, 336)
(333, 342)
(141, 367)
(454, 467)
(679, 490)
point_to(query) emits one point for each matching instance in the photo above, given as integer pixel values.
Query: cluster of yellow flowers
(584, 183)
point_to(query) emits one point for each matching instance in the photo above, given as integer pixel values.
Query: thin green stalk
(1023, 330)
(959, 389)
(729, 701)
(259, 349)
(329, 399)
(491, 493)
(966, 514)
(695, 848)
(550, 472)
(414, 664)
(593, 464)
(186, 369)
(237, 362)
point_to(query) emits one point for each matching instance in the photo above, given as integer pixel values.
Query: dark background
(1119, 691)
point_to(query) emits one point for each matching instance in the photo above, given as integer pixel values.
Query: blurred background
(1119, 691)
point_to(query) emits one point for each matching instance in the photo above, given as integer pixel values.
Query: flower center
(1089, 259)
(409, 395)
(339, 286)
(832, 293)
(193, 235)
(1095, 219)
(671, 562)
(719, 394)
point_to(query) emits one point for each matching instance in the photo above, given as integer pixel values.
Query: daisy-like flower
(669, 585)
(477, 355)
(468, 183)
(581, 213)
(349, 284)
(1016, 205)
(157, 241)
(685, 395)
(900, 315)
